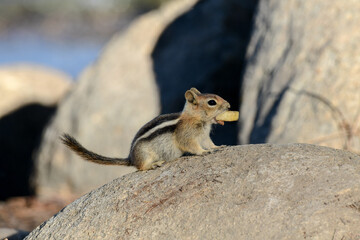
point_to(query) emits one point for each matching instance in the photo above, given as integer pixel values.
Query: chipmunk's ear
(191, 96)
(194, 90)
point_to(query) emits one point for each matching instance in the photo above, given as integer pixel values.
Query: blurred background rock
(66, 35)
(44, 45)
(128, 65)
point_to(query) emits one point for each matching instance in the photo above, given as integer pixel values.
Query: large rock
(205, 48)
(302, 83)
(21, 85)
(113, 98)
(29, 95)
(293, 191)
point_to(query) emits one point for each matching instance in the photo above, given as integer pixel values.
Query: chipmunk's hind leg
(157, 164)
(150, 163)
(145, 158)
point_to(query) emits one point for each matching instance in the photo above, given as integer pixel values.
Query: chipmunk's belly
(160, 148)
(165, 148)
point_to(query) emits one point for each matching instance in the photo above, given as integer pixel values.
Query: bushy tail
(91, 156)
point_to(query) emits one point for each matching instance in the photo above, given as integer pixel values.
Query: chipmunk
(167, 136)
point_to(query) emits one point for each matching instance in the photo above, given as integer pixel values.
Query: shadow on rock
(20, 134)
(205, 48)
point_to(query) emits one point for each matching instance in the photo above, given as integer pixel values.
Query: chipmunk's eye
(212, 102)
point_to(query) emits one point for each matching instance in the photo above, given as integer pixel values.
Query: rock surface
(294, 191)
(301, 83)
(113, 98)
(205, 48)
(29, 95)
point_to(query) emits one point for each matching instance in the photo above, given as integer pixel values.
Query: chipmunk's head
(205, 106)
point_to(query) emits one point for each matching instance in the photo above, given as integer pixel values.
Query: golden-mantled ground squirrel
(167, 136)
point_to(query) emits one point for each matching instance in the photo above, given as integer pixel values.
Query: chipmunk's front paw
(208, 151)
(204, 152)
(218, 148)
(222, 146)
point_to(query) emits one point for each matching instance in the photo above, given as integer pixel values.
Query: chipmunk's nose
(227, 105)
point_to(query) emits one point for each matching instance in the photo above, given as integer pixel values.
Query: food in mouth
(228, 116)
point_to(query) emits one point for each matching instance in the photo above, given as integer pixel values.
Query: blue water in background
(69, 55)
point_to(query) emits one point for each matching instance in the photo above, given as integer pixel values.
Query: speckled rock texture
(113, 98)
(301, 82)
(293, 191)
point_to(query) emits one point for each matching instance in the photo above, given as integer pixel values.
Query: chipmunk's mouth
(218, 122)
